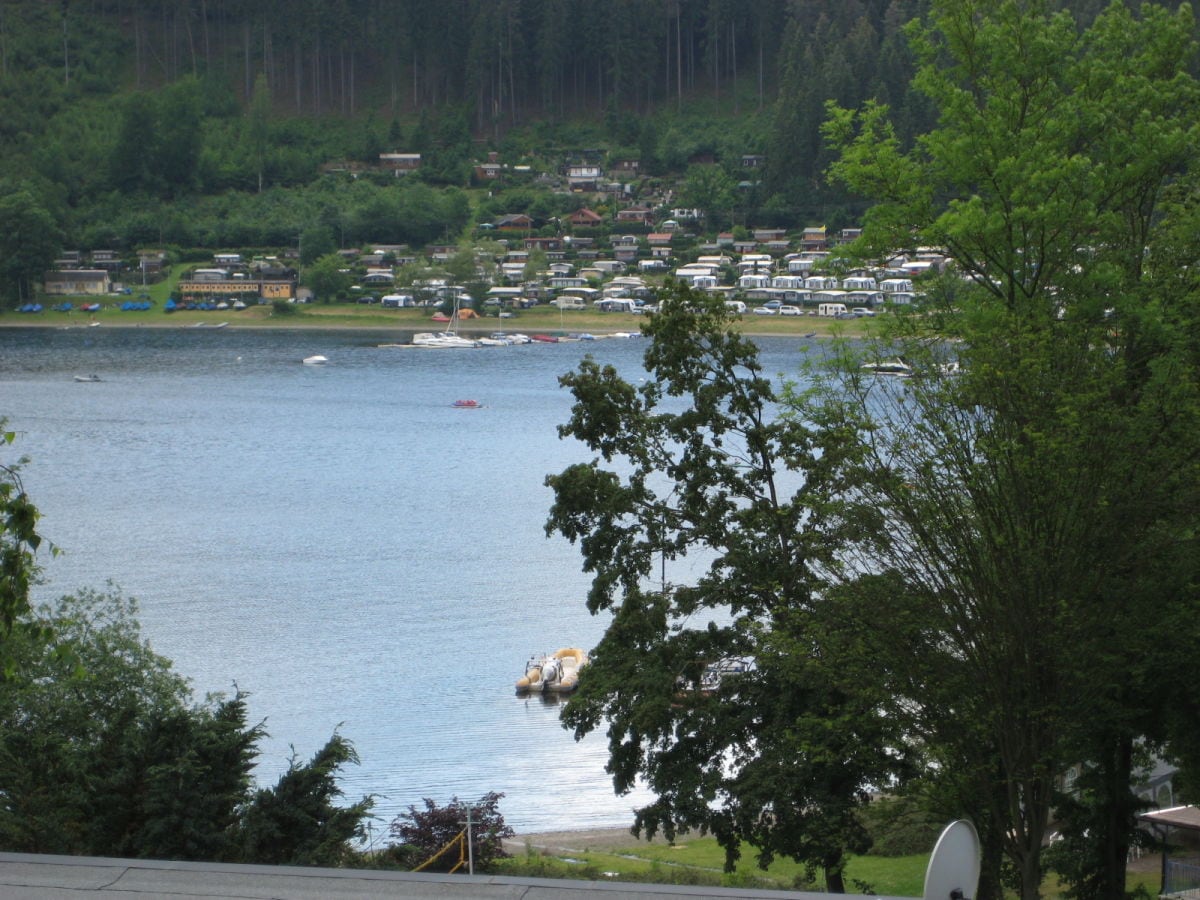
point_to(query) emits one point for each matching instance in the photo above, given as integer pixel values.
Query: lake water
(338, 541)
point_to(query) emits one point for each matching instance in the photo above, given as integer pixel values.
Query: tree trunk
(1119, 812)
(65, 45)
(246, 58)
(834, 882)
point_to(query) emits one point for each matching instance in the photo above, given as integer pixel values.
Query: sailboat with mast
(448, 339)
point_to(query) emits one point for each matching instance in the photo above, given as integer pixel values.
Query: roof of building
(43, 877)
(1178, 816)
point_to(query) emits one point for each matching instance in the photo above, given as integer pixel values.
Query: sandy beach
(577, 840)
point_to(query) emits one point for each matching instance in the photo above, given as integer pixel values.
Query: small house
(76, 281)
(400, 163)
(585, 218)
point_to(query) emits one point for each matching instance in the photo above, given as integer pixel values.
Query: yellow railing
(461, 840)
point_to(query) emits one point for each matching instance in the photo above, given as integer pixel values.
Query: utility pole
(470, 844)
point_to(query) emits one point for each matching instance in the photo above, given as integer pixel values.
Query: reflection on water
(339, 541)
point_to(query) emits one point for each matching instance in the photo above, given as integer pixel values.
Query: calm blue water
(338, 541)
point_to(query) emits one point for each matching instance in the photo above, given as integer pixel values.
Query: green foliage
(316, 241)
(709, 189)
(99, 753)
(19, 543)
(1024, 521)
(29, 241)
(779, 756)
(103, 753)
(299, 822)
(899, 826)
(159, 142)
(328, 279)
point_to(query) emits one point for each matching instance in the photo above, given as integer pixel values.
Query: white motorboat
(317, 360)
(897, 368)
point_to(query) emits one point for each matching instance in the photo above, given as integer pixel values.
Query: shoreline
(803, 327)
(580, 840)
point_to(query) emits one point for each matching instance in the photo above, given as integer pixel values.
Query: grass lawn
(348, 315)
(700, 861)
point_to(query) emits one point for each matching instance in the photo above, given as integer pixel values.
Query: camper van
(831, 309)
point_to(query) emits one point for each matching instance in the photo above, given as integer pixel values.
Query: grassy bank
(536, 320)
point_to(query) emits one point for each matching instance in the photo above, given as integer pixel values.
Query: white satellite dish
(953, 872)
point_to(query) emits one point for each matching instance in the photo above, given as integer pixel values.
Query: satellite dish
(953, 872)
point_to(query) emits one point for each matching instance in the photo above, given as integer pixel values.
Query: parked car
(787, 310)
(862, 311)
(763, 311)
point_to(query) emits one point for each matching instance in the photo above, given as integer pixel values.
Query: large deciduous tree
(29, 240)
(327, 278)
(1038, 554)
(715, 689)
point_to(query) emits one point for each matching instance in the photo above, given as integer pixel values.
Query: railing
(1181, 879)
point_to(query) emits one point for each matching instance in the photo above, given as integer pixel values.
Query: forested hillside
(131, 123)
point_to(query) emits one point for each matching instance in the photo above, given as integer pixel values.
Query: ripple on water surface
(338, 541)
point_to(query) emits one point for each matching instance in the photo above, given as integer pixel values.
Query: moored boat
(442, 340)
(555, 673)
(895, 367)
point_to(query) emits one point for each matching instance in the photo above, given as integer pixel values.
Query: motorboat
(317, 360)
(554, 673)
(466, 404)
(88, 378)
(714, 674)
(897, 368)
